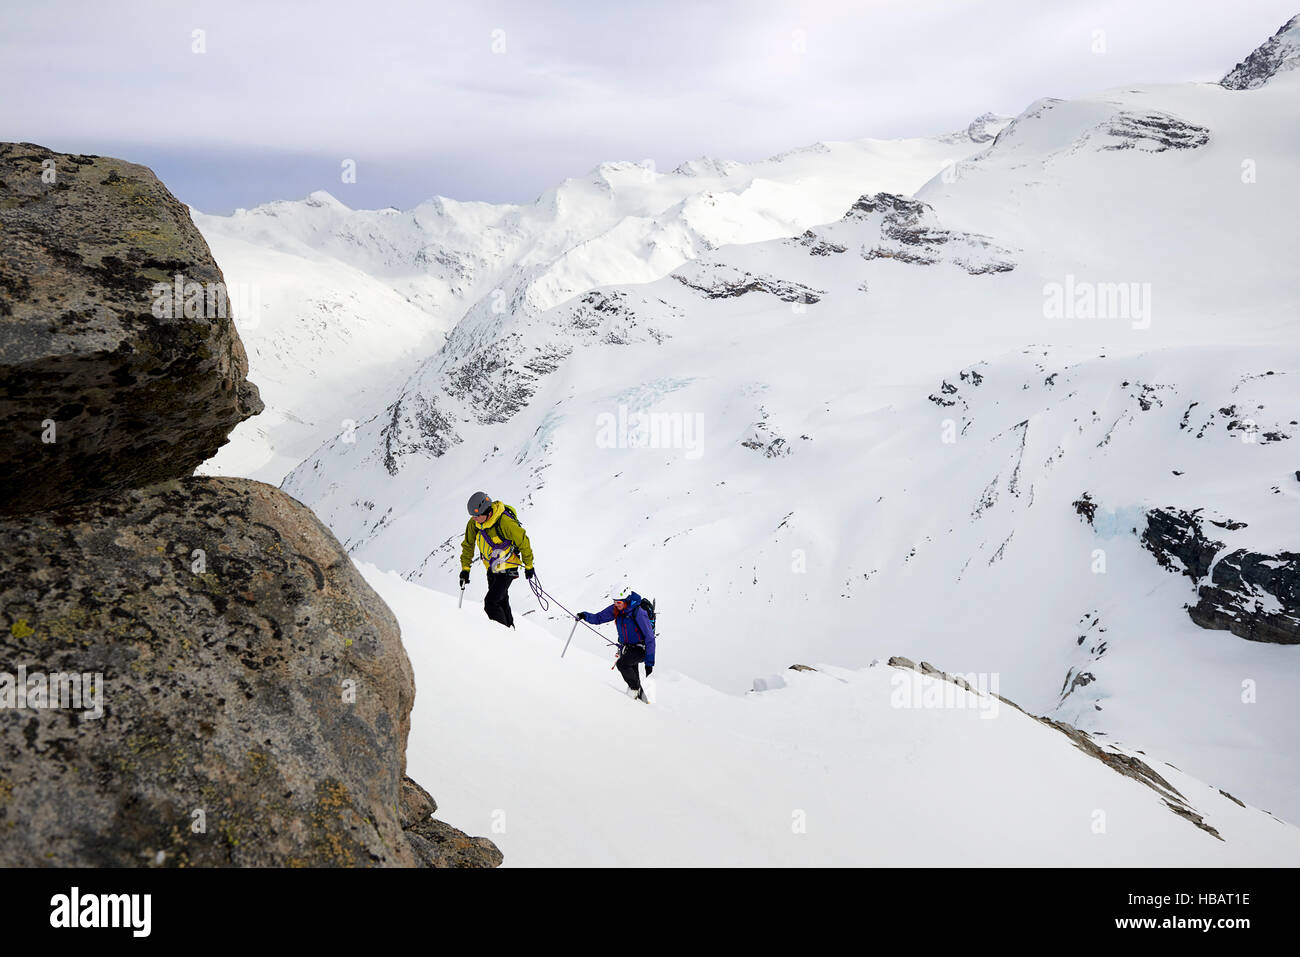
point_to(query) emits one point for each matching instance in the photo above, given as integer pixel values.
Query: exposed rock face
(985, 127)
(763, 438)
(486, 376)
(910, 232)
(97, 393)
(1279, 52)
(1252, 595)
(1175, 538)
(417, 804)
(723, 281)
(248, 672)
(1152, 133)
(437, 844)
(819, 247)
(192, 672)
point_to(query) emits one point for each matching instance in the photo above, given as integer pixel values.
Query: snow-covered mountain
(328, 338)
(1020, 401)
(339, 305)
(949, 425)
(888, 765)
(1279, 52)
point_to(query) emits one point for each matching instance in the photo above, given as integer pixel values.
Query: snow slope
(873, 432)
(326, 343)
(552, 761)
(351, 299)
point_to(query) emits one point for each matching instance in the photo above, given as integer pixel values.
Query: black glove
(464, 577)
(529, 572)
(581, 616)
(648, 670)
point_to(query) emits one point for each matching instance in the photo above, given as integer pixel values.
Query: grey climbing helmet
(480, 503)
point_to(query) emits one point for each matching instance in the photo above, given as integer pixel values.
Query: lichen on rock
(192, 671)
(98, 392)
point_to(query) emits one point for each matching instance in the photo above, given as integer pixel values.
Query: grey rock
(1153, 133)
(417, 804)
(817, 246)
(1253, 595)
(1279, 52)
(910, 232)
(722, 281)
(440, 845)
(1176, 539)
(205, 677)
(435, 843)
(248, 673)
(980, 129)
(133, 398)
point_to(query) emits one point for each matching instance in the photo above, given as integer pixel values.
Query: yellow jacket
(501, 539)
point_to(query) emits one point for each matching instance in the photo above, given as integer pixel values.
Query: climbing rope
(535, 583)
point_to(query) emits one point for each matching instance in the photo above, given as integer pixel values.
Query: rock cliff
(192, 671)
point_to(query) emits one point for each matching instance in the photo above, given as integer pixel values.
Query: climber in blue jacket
(636, 638)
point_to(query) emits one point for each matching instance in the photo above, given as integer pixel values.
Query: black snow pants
(497, 602)
(631, 656)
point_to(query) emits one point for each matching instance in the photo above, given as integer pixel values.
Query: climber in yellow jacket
(504, 547)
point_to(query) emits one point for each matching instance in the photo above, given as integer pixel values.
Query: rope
(535, 583)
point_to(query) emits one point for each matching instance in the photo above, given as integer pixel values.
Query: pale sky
(499, 100)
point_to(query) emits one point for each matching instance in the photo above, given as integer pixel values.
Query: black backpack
(649, 605)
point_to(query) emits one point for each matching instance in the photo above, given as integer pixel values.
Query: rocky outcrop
(250, 682)
(817, 246)
(1254, 596)
(1279, 52)
(192, 671)
(436, 844)
(1177, 541)
(483, 375)
(763, 438)
(910, 232)
(1151, 133)
(887, 226)
(723, 281)
(1250, 594)
(985, 127)
(119, 362)
(1085, 507)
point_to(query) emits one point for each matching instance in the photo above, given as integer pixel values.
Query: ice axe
(571, 631)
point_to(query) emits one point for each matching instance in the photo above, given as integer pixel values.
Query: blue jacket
(633, 625)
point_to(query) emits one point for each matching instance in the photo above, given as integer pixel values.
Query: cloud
(494, 95)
